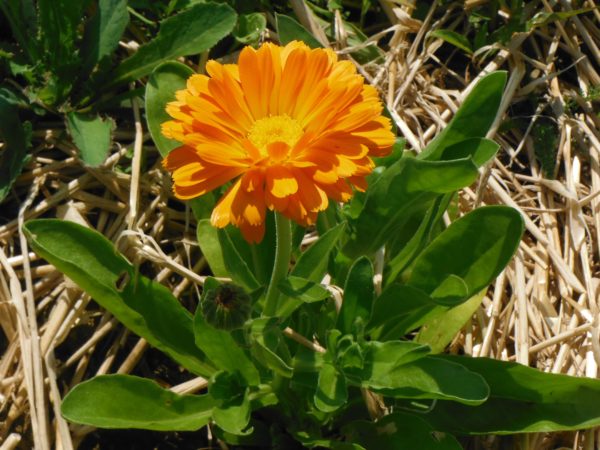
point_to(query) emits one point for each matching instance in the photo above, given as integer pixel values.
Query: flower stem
(283, 251)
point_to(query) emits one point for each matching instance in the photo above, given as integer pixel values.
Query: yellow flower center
(271, 129)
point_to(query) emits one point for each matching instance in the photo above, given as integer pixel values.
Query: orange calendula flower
(290, 126)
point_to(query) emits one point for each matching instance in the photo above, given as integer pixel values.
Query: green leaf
(399, 310)
(290, 30)
(544, 18)
(417, 242)
(331, 391)
(430, 377)
(399, 430)
(166, 79)
(232, 413)
(236, 267)
(382, 359)
(92, 136)
(481, 150)
(310, 441)
(473, 119)
(222, 349)
(297, 291)
(125, 401)
(234, 417)
(438, 331)
(522, 400)
(407, 187)
(17, 140)
(249, 27)
(208, 240)
(58, 21)
(202, 206)
(358, 296)
(102, 33)
(454, 38)
(192, 31)
(312, 264)
(145, 307)
(370, 53)
(473, 249)
(22, 18)
(268, 346)
(259, 437)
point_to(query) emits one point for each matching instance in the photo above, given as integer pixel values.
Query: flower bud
(226, 307)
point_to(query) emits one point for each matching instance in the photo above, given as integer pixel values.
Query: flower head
(290, 126)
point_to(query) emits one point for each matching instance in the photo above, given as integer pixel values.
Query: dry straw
(542, 310)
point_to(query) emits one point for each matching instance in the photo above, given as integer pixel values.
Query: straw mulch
(541, 311)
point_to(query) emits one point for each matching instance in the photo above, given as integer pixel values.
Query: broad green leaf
(473, 119)
(358, 296)
(234, 416)
(16, 138)
(430, 377)
(475, 249)
(92, 135)
(166, 79)
(59, 21)
(22, 18)
(222, 349)
(232, 412)
(125, 401)
(312, 264)
(145, 307)
(438, 331)
(405, 188)
(202, 206)
(249, 27)
(454, 38)
(399, 310)
(268, 346)
(382, 359)
(290, 30)
(481, 150)
(208, 240)
(236, 267)
(102, 33)
(259, 437)
(399, 430)
(411, 247)
(303, 290)
(452, 289)
(522, 400)
(349, 355)
(331, 393)
(259, 257)
(192, 31)
(297, 291)
(306, 360)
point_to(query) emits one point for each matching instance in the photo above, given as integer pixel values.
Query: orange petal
(222, 214)
(281, 182)
(258, 75)
(249, 207)
(313, 198)
(180, 156)
(278, 151)
(253, 234)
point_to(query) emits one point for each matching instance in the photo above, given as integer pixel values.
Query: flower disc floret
(291, 127)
